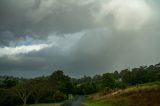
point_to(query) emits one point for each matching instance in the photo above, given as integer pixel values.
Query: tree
(8, 98)
(62, 82)
(108, 80)
(39, 88)
(23, 91)
(116, 75)
(9, 82)
(59, 96)
(126, 76)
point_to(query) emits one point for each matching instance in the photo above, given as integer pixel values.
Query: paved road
(75, 102)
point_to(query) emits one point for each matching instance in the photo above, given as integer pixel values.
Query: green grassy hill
(139, 95)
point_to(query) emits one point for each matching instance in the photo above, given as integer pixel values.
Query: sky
(80, 37)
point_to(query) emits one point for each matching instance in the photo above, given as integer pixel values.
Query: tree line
(57, 86)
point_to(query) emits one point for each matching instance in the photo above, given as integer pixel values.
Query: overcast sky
(81, 37)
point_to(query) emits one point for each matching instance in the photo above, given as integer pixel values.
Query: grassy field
(47, 104)
(139, 95)
(96, 103)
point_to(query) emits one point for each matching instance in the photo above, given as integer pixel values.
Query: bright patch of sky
(23, 49)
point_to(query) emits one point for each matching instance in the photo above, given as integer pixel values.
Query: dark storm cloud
(98, 51)
(80, 37)
(39, 18)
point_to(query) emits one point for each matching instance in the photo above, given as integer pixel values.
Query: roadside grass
(139, 95)
(89, 102)
(45, 104)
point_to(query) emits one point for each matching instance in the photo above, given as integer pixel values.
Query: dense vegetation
(58, 86)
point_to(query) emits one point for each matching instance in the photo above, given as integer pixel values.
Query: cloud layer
(84, 37)
(129, 12)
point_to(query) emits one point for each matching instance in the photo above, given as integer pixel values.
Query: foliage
(57, 86)
(8, 98)
(59, 96)
(23, 91)
(62, 82)
(140, 75)
(108, 80)
(85, 88)
(40, 87)
(8, 82)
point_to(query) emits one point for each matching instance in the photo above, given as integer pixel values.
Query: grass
(89, 102)
(140, 95)
(45, 104)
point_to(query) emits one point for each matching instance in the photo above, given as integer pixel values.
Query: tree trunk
(24, 101)
(37, 101)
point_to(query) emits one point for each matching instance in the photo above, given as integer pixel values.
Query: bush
(59, 96)
(106, 90)
(8, 98)
(120, 85)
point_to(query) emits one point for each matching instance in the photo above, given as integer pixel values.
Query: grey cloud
(98, 51)
(39, 18)
(101, 49)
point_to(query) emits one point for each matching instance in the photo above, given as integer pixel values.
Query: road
(75, 102)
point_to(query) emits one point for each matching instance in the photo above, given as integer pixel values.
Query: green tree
(9, 82)
(63, 82)
(116, 75)
(39, 88)
(8, 98)
(23, 91)
(108, 80)
(59, 96)
(126, 76)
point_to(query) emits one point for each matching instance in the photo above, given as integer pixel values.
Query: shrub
(8, 98)
(59, 96)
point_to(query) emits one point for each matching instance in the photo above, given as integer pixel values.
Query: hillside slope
(139, 95)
